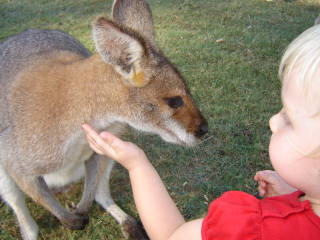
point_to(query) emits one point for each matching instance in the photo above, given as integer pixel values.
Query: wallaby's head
(157, 98)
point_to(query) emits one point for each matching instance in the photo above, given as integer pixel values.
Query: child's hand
(271, 184)
(126, 153)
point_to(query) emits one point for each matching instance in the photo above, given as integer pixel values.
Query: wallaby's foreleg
(12, 195)
(38, 190)
(92, 177)
(129, 226)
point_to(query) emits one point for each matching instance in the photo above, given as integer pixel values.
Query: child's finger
(91, 134)
(269, 177)
(105, 150)
(262, 184)
(112, 140)
(257, 176)
(262, 187)
(261, 191)
(91, 139)
(105, 139)
(94, 136)
(89, 130)
(94, 148)
(94, 145)
(266, 176)
(96, 142)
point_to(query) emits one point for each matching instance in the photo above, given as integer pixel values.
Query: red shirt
(240, 216)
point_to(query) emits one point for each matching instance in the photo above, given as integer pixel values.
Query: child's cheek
(283, 157)
(279, 152)
(275, 149)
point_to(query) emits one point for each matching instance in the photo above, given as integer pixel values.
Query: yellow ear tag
(138, 79)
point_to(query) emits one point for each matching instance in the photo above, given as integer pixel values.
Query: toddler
(290, 208)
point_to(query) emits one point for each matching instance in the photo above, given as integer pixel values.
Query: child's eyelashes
(286, 118)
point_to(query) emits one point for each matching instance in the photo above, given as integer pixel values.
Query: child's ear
(120, 49)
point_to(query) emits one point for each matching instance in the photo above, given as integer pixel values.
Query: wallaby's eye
(174, 102)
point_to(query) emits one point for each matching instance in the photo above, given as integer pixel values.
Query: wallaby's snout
(203, 128)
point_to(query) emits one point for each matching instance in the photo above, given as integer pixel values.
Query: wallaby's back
(20, 51)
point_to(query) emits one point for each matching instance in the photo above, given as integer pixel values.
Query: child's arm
(159, 214)
(271, 184)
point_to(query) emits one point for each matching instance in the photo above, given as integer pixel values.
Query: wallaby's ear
(135, 14)
(120, 49)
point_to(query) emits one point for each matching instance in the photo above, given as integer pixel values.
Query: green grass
(234, 83)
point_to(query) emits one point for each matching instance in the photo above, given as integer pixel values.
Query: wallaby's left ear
(135, 14)
(120, 49)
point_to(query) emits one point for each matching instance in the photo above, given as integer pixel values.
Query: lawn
(229, 52)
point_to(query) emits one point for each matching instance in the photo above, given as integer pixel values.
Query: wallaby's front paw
(132, 229)
(76, 222)
(79, 211)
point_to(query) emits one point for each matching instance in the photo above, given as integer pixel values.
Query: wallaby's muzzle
(203, 129)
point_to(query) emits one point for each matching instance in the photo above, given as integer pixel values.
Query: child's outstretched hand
(271, 184)
(127, 154)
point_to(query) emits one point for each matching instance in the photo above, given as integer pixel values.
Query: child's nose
(276, 122)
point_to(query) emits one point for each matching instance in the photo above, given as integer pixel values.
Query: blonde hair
(303, 51)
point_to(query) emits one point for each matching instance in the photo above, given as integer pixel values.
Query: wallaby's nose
(203, 129)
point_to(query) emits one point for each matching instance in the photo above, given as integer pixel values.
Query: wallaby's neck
(97, 88)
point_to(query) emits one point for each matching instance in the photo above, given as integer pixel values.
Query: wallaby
(50, 85)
